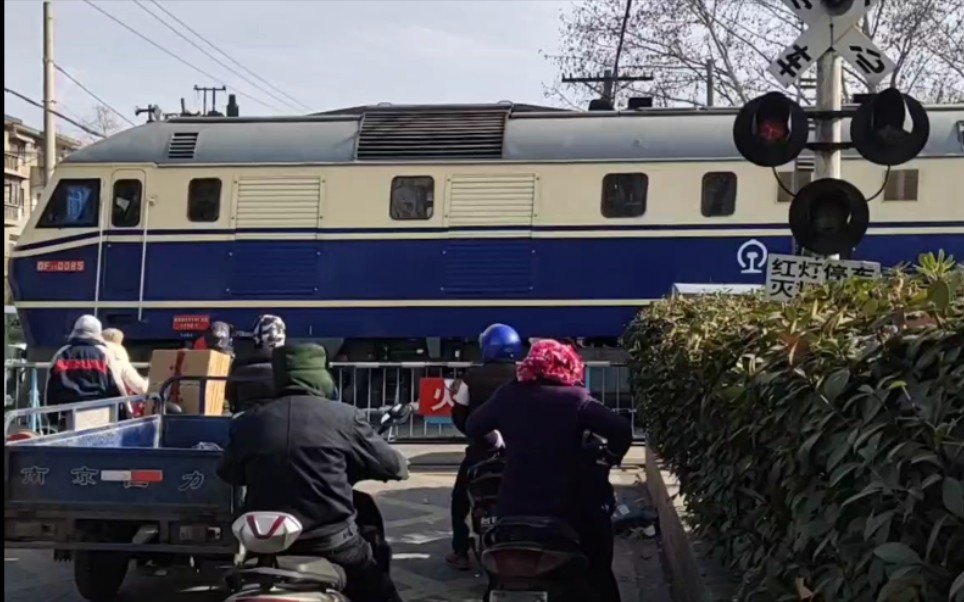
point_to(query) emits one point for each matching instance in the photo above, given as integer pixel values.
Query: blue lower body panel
(396, 288)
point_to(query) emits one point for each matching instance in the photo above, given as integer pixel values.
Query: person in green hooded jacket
(301, 453)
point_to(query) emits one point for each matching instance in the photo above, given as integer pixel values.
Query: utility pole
(610, 77)
(214, 96)
(608, 80)
(710, 82)
(50, 124)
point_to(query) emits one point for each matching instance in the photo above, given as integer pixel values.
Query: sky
(326, 54)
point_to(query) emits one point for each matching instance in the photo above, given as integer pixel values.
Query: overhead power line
(94, 96)
(208, 54)
(175, 56)
(232, 59)
(57, 113)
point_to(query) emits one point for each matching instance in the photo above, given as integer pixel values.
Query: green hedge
(819, 443)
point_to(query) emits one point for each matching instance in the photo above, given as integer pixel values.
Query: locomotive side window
(126, 208)
(719, 194)
(204, 200)
(804, 177)
(902, 185)
(74, 204)
(413, 197)
(624, 194)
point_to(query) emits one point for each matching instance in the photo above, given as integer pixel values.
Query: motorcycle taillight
(528, 562)
(513, 563)
(301, 597)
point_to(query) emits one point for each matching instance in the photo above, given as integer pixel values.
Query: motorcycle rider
(501, 348)
(300, 454)
(542, 417)
(251, 380)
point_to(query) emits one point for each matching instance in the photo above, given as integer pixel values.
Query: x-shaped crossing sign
(828, 31)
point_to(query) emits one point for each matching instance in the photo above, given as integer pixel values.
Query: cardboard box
(167, 363)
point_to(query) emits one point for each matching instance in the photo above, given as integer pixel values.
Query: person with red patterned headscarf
(543, 416)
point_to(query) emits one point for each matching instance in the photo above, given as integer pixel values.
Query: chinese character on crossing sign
(788, 275)
(438, 395)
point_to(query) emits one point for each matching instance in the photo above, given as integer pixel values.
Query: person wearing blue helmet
(501, 348)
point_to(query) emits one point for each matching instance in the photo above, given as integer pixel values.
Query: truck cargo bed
(146, 471)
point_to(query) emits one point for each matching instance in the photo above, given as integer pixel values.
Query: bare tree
(682, 41)
(103, 121)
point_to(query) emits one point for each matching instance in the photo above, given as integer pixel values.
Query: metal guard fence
(370, 386)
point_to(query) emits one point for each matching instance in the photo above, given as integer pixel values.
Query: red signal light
(770, 130)
(773, 131)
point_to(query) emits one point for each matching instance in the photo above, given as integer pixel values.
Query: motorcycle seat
(317, 569)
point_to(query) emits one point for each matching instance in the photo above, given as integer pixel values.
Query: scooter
(483, 488)
(265, 574)
(539, 559)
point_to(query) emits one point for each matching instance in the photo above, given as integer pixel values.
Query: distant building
(23, 176)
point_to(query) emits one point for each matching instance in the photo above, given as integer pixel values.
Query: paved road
(417, 521)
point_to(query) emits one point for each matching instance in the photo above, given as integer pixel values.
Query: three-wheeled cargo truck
(142, 490)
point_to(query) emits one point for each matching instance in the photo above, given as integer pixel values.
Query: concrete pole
(50, 124)
(829, 98)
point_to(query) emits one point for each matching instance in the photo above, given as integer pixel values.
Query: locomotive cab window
(624, 195)
(74, 204)
(126, 207)
(412, 198)
(204, 200)
(902, 185)
(719, 194)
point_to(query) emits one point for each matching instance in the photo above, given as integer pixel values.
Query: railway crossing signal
(830, 216)
(878, 128)
(771, 130)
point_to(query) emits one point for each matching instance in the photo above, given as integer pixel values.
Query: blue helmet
(500, 343)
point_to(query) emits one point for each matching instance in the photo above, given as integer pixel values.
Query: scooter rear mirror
(398, 413)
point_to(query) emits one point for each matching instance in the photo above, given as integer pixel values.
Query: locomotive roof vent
(431, 133)
(182, 145)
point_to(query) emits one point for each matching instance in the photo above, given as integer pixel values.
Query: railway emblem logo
(752, 257)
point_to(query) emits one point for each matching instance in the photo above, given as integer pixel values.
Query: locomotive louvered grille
(182, 145)
(489, 200)
(444, 134)
(290, 202)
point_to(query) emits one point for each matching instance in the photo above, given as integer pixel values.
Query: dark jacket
(301, 453)
(251, 380)
(542, 425)
(82, 371)
(482, 382)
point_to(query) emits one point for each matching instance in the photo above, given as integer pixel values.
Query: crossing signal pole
(830, 216)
